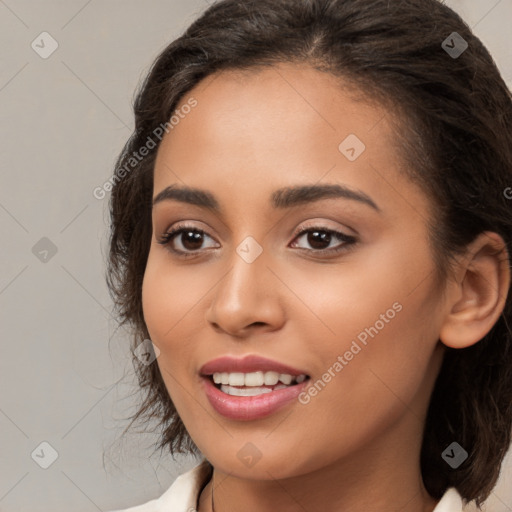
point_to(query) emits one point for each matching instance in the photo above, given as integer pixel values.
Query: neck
(370, 479)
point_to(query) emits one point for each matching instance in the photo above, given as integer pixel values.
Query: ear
(477, 296)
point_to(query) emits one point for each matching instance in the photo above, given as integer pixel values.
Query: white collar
(183, 494)
(450, 502)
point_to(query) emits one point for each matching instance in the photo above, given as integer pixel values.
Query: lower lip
(246, 408)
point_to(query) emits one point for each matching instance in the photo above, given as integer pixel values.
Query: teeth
(236, 379)
(221, 378)
(285, 378)
(271, 378)
(256, 379)
(244, 391)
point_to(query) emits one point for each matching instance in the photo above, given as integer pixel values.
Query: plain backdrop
(66, 381)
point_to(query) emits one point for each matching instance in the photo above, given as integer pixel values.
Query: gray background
(65, 373)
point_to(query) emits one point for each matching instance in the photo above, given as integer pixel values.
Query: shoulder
(182, 495)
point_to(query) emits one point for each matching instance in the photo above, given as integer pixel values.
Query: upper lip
(250, 363)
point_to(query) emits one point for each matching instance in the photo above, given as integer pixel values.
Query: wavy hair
(455, 136)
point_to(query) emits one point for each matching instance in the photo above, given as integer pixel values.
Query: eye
(321, 239)
(188, 237)
(191, 239)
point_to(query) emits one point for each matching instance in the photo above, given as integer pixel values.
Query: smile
(250, 387)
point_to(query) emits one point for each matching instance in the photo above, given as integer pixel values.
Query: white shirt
(183, 494)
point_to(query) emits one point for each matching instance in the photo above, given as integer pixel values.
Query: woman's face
(356, 312)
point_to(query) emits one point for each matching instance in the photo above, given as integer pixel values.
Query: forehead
(277, 106)
(254, 131)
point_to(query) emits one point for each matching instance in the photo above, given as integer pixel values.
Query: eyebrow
(282, 198)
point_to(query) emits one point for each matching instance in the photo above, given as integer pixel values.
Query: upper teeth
(255, 378)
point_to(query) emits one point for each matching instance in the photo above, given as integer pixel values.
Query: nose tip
(239, 322)
(245, 299)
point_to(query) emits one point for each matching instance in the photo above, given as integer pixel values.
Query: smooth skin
(355, 446)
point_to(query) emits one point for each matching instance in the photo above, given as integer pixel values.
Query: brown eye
(319, 239)
(184, 240)
(187, 241)
(191, 240)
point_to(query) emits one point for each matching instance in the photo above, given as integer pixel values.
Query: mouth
(251, 387)
(241, 402)
(254, 383)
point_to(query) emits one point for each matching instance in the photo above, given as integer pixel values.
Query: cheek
(380, 319)
(169, 295)
(361, 296)
(167, 303)
(376, 383)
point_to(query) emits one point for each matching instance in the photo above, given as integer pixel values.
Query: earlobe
(480, 293)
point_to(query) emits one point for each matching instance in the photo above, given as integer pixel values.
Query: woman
(311, 224)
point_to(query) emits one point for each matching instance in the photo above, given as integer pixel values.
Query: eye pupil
(193, 237)
(319, 237)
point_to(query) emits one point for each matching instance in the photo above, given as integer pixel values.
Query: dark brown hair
(455, 141)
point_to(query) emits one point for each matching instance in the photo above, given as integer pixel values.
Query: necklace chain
(213, 487)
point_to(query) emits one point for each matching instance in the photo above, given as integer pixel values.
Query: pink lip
(246, 408)
(250, 363)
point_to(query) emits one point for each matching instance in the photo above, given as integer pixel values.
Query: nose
(246, 299)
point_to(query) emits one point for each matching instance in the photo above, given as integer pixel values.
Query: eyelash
(168, 237)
